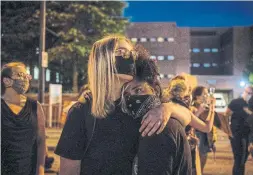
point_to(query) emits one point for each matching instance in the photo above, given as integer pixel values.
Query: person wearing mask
(115, 135)
(22, 123)
(207, 141)
(240, 132)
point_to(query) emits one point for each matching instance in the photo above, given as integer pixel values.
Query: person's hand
(155, 120)
(212, 102)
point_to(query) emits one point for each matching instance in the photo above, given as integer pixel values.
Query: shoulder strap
(90, 124)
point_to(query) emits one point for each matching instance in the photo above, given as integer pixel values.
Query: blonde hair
(101, 77)
(177, 88)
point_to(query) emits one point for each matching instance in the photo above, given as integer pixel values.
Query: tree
(75, 26)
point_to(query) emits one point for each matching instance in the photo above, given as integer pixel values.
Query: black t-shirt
(113, 145)
(239, 116)
(165, 154)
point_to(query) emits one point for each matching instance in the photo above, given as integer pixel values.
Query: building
(217, 56)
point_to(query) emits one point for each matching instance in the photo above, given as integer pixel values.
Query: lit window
(152, 57)
(161, 75)
(57, 77)
(195, 65)
(195, 50)
(152, 39)
(214, 64)
(36, 73)
(206, 50)
(143, 39)
(170, 75)
(47, 75)
(171, 57)
(207, 65)
(160, 39)
(160, 58)
(134, 39)
(170, 39)
(214, 50)
(28, 70)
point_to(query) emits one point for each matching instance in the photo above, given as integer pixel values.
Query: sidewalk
(222, 166)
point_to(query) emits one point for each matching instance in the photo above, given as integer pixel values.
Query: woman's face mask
(138, 105)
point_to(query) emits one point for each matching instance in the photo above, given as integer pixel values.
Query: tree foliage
(72, 28)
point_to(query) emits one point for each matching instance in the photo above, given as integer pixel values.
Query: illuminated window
(206, 50)
(57, 77)
(160, 39)
(143, 39)
(47, 75)
(170, 75)
(161, 75)
(214, 64)
(215, 50)
(152, 57)
(134, 39)
(195, 50)
(207, 65)
(36, 73)
(28, 70)
(152, 39)
(170, 39)
(160, 58)
(195, 65)
(171, 57)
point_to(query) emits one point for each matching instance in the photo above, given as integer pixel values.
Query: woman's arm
(207, 125)
(41, 141)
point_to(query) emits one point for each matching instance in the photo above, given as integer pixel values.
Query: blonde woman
(115, 138)
(22, 123)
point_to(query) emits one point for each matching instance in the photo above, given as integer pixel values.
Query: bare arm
(69, 167)
(41, 141)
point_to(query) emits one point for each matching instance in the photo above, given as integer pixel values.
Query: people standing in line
(115, 135)
(240, 132)
(22, 124)
(207, 141)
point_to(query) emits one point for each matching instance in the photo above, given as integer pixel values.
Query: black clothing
(165, 154)
(240, 131)
(238, 117)
(113, 145)
(19, 133)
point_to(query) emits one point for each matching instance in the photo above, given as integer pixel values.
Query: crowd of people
(124, 122)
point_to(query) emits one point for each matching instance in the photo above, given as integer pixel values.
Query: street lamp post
(42, 51)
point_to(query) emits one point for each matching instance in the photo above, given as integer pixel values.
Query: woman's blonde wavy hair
(178, 88)
(101, 77)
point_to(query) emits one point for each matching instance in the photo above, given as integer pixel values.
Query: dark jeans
(240, 151)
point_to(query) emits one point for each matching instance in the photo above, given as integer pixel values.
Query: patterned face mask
(139, 105)
(20, 86)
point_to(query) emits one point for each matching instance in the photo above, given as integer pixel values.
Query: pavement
(222, 165)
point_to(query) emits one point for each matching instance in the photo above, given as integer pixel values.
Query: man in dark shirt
(240, 131)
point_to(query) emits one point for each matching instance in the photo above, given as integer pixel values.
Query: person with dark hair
(240, 131)
(98, 138)
(207, 141)
(22, 124)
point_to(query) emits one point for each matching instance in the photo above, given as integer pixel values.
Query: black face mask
(139, 105)
(125, 65)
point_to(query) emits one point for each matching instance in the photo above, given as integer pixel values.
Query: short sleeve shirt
(239, 115)
(113, 145)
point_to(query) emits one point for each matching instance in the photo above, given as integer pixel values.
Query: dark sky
(192, 14)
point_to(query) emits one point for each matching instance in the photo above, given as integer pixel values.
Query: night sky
(192, 14)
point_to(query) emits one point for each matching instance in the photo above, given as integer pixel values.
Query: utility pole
(43, 54)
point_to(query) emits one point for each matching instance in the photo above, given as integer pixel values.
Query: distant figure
(240, 131)
(22, 123)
